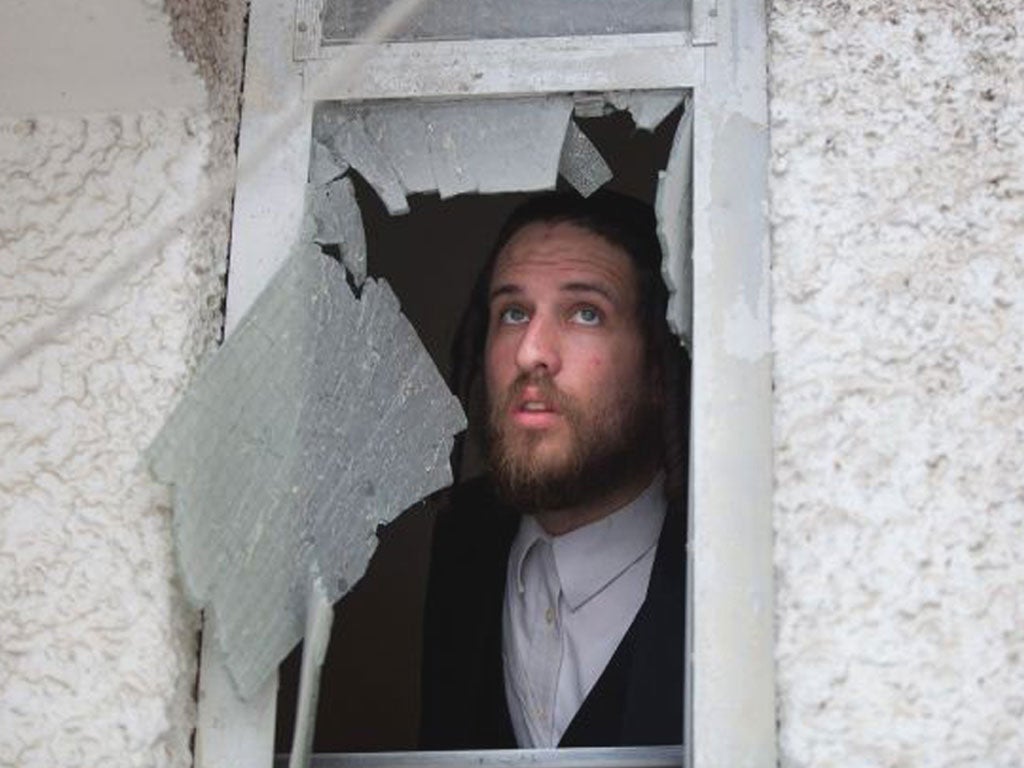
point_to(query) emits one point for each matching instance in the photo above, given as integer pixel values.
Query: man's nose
(539, 347)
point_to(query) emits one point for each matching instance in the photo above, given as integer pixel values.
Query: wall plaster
(898, 211)
(97, 649)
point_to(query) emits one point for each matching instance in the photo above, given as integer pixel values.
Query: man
(554, 611)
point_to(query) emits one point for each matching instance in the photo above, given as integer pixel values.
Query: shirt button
(549, 615)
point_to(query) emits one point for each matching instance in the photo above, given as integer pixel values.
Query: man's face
(572, 410)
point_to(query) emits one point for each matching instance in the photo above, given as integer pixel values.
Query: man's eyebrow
(581, 287)
(511, 289)
(505, 289)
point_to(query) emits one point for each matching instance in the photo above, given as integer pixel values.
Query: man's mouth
(534, 406)
(535, 398)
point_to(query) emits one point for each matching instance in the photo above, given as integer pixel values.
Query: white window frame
(730, 675)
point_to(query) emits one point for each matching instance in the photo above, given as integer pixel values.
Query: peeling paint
(738, 167)
(745, 334)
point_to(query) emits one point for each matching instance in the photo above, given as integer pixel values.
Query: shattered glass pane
(581, 163)
(321, 417)
(487, 146)
(673, 205)
(347, 20)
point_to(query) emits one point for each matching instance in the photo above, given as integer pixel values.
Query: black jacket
(638, 699)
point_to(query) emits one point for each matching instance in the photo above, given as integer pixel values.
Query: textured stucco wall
(97, 648)
(898, 327)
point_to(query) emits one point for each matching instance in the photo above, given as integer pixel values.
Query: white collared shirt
(569, 601)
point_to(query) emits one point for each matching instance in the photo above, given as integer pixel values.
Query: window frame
(730, 696)
(570, 757)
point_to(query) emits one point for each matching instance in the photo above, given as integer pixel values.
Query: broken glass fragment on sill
(581, 163)
(320, 418)
(490, 146)
(338, 222)
(672, 205)
(648, 108)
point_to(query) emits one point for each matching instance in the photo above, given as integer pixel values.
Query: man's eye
(587, 316)
(513, 316)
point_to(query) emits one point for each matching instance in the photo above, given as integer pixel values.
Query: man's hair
(630, 225)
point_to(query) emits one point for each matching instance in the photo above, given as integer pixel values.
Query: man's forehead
(566, 253)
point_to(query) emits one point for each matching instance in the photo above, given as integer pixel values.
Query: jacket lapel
(638, 700)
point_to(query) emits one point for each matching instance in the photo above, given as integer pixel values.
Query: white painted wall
(112, 116)
(898, 249)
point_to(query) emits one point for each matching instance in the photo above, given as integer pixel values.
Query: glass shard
(401, 134)
(499, 145)
(338, 222)
(672, 206)
(581, 164)
(588, 105)
(319, 617)
(324, 167)
(321, 417)
(496, 146)
(344, 133)
(648, 108)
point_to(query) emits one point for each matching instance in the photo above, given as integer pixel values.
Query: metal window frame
(625, 757)
(308, 35)
(459, 69)
(730, 683)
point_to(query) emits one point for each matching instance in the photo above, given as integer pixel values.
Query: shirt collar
(591, 557)
(529, 533)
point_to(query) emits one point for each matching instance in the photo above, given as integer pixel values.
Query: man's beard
(609, 446)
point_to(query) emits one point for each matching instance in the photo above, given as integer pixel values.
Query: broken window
(416, 193)
(729, 699)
